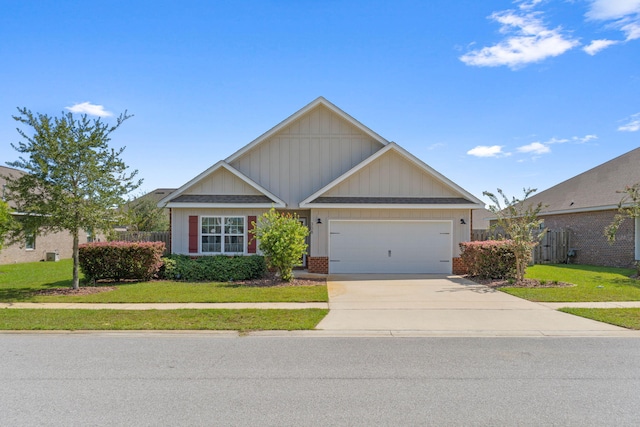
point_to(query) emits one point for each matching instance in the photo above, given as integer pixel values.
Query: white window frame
(30, 241)
(223, 234)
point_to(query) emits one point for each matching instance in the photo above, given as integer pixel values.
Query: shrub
(491, 259)
(120, 260)
(218, 268)
(281, 237)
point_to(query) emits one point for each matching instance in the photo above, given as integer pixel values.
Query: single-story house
(35, 247)
(587, 203)
(370, 205)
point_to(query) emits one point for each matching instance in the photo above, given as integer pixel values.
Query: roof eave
(224, 205)
(386, 206)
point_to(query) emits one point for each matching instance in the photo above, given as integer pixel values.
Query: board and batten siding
(320, 232)
(180, 224)
(307, 155)
(392, 175)
(222, 181)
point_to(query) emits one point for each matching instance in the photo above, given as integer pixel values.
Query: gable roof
(319, 198)
(595, 189)
(177, 199)
(304, 110)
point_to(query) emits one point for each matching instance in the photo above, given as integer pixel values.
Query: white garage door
(390, 247)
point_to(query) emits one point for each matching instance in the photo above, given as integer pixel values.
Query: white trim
(221, 205)
(387, 206)
(222, 218)
(286, 122)
(221, 164)
(396, 148)
(579, 210)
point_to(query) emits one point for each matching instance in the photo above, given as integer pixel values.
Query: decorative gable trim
(472, 202)
(176, 199)
(288, 121)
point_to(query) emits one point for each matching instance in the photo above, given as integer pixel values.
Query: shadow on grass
(20, 294)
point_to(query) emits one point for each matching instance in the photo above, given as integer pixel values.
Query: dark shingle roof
(394, 200)
(222, 198)
(594, 188)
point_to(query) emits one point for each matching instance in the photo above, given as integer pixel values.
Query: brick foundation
(318, 264)
(459, 267)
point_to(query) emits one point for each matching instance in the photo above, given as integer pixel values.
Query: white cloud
(597, 45)
(621, 14)
(436, 146)
(606, 10)
(633, 125)
(527, 40)
(586, 138)
(90, 109)
(535, 148)
(487, 151)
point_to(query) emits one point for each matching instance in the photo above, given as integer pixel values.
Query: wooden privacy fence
(552, 249)
(144, 236)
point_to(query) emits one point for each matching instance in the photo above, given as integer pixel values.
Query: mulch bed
(525, 283)
(271, 280)
(83, 290)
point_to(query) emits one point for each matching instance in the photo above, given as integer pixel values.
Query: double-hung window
(224, 235)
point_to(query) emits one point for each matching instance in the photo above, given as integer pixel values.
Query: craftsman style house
(371, 206)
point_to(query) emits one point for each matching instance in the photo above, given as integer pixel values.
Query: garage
(390, 247)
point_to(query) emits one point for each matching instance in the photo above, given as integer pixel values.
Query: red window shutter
(252, 245)
(193, 234)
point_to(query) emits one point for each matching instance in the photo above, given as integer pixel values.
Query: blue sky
(493, 94)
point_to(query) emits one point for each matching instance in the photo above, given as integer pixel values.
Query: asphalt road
(198, 379)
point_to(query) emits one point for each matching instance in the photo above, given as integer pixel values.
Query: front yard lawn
(592, 284)
(625, 317)
(186, 319)
(22, 282)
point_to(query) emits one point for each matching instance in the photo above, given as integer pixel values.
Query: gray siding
(307, 155)
(180, 224)
(222, 182)
(392, 175)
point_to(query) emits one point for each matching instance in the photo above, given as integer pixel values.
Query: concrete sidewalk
(444, 305)
(167, 306)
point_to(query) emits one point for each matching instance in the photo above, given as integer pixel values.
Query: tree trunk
(76, 261)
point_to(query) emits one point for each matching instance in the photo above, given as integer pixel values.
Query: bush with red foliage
(121, 260)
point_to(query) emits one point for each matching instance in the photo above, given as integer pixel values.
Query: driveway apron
(443, 305)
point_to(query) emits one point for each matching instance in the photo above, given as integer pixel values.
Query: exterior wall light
(319, 221)
(462, 221)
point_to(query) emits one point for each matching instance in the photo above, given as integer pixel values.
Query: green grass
(592, 284)
(625, 317)
(18, 282)
(238, 320)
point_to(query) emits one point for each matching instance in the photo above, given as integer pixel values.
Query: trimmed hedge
(120, 260)
(491, 259)
(217, 268)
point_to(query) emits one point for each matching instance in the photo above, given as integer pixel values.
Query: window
(30, 241)
(222, 234)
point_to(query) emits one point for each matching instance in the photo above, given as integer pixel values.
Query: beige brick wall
(55, 242)
(587, 236)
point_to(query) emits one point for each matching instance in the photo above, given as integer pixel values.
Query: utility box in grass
(53, 256)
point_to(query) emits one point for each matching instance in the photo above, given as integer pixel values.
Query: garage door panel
(390, 247)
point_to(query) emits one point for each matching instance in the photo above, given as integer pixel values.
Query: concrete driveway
(444, 305)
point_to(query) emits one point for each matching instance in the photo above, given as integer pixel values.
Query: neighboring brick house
(35, 248)
(587, 203)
